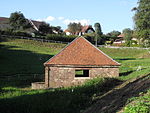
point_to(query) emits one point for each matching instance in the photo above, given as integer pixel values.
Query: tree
(74, 28)
(18, 21)
(142, 21)
(113, 33)
(57, 29)
(128, 33)
(98, 32)
(45, 28)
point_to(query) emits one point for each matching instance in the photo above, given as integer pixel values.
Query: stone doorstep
(38, 85)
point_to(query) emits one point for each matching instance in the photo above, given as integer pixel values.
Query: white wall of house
(68, 33)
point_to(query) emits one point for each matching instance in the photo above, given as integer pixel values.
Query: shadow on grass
(61, 100)
(19, 67)
(129, 72)
(126, 73)
(114, 101)
(125, 58)
(13, 60)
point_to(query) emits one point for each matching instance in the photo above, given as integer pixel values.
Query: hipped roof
(81, 52)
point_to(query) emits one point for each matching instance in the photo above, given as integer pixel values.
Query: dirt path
(115, 99)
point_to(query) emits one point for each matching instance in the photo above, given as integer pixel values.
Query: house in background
(67, 32)
(84, 29)
(4, 24)
(76, 63)
(121, 40)
(87, 29)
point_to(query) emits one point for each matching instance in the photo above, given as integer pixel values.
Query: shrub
(139, 104)
(58, 37)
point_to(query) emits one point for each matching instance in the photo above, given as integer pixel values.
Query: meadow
(21, 63)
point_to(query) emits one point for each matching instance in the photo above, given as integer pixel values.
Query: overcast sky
(111, 14)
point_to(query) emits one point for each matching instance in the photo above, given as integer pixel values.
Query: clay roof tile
(81, 52)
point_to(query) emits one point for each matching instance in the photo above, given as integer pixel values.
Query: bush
(139, 104)
(15, 33)
(63, 38)
(21, 33)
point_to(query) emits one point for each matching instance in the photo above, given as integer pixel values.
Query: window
(81, 73)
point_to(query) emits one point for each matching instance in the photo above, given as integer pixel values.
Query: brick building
(76, 63)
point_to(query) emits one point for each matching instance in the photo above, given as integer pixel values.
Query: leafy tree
(45, 28)
(98, 33)
(57, 29)
(142, 21)
(74, 28)
(113, 33)
(18, 21)
(128, 33)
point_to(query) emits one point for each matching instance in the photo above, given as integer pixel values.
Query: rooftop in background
(121, 35)
(4, 23)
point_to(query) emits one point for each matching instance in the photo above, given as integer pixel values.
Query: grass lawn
(138, 104)
(24, 58)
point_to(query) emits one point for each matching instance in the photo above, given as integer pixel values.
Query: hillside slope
(115, 99)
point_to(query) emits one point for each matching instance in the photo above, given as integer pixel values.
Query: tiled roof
(37, 23)
(121, 35)
(3, 19)
(67, 30)
(81, 52)
(85, 28)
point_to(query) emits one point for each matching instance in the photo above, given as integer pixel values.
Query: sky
(111, 14)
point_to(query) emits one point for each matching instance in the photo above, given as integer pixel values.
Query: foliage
(12, 33)
(139, 104)
(45, 28)
(18, 21)
(142, 23)
(58, 37)
(98, 33)
(57, 29)
(61, 100)
(74, 28)
(128, 33)
(113, 33)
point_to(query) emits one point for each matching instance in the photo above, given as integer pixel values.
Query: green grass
(24, 59)
(61, 100)
(25, 56)
(139, 104)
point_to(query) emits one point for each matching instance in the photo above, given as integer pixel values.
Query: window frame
(85, 73)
